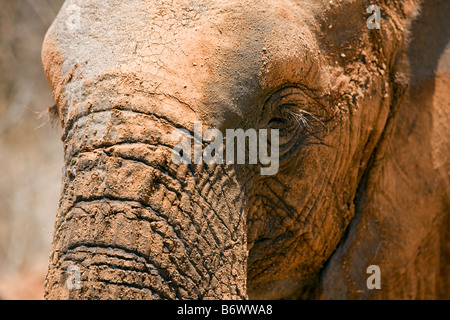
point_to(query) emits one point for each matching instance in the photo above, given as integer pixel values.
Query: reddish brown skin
(367, 185)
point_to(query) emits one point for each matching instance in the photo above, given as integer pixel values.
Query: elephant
(359, 98)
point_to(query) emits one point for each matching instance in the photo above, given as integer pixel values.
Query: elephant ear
(402, 213)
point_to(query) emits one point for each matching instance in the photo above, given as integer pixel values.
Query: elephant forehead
(204, 52)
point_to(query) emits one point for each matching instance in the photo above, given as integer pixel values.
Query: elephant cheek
(133, 225)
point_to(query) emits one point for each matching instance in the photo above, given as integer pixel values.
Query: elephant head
(362, 176)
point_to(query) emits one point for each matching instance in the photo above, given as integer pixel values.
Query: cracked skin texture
(365, 183)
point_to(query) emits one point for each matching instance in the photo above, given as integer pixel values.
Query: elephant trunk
(133, 225)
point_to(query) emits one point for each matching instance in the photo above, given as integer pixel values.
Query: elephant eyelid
(292, 95)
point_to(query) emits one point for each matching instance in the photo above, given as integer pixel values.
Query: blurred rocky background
(30, 149)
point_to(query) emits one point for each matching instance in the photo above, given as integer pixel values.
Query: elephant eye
(279, 122)
(290, 119)
(299, 114)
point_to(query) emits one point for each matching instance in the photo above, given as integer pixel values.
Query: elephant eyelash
(294, 110)
(301, 117)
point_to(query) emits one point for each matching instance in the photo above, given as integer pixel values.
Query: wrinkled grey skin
(352, 189)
